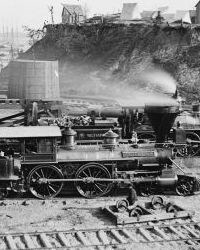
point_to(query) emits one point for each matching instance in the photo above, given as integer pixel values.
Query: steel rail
(110, 236)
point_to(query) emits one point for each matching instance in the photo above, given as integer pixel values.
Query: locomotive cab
(27, 144)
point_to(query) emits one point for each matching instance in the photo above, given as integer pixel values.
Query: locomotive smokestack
(162, 119)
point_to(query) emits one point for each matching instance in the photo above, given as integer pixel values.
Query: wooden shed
(198, 12)
(72, 14)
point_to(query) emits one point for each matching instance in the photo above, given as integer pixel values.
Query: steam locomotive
(41, 159)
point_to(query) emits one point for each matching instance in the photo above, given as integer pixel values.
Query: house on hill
(183, 16)
(130, 11)
(193, 16)
(198, 12)
(72, 14)
(148, 14)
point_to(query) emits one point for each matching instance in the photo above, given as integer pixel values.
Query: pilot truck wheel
(38, 182)
(90, 188)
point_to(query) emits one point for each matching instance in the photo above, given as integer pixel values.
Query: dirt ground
(63, 213)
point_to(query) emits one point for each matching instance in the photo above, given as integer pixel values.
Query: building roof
(130, 11)
(147, 14)
(183, 15)
(73, 8)
(197, 3)
(30, 132)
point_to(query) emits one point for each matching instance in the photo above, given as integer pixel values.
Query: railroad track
(188, 232)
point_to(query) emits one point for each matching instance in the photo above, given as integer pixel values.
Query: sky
(33, 13)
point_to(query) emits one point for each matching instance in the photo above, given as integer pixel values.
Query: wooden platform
(149, 214)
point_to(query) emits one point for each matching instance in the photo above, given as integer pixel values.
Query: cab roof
(30, 132)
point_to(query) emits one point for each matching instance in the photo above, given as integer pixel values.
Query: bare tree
(34, 34)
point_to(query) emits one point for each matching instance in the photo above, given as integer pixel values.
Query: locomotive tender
(35, 162)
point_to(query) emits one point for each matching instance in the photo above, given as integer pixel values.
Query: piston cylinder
(168, 178)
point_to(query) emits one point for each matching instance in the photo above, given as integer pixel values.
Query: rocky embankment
(97, 54)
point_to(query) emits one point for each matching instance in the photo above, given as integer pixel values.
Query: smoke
(153, 87)
(150, 87)
(159, 80)
(142, 98)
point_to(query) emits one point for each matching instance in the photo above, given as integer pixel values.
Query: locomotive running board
(91, 180)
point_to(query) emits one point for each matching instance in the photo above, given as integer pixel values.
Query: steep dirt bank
(93, 57)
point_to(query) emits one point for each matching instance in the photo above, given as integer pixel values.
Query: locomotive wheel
(122, 205)
(136, 212)
(170, 208)
(92, 189)
(3, 193)
(183, 188)
(194, 148)
(40, 187)
(157, 202)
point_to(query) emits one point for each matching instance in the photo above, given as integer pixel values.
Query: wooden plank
(117, 236)
(181, 236)
(161, 233)
(145, 234)
(82, 238)
(174, 230)
(129, 235)
(11, 243)
(63, 239)
(191, 231)
(103, 237)
(28, 241)
(44, 240)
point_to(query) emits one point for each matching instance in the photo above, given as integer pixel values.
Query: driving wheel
(90, 188)
(39, 185)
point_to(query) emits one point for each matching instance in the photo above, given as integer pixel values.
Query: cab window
(45, 145)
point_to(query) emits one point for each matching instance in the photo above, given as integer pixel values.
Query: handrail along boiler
(42, 166)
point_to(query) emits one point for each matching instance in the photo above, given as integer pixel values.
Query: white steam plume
(159, 80)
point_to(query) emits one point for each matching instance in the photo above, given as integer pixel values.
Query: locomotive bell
(69, 138)
(110, 139)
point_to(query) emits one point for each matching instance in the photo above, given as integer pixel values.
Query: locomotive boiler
(38, 160)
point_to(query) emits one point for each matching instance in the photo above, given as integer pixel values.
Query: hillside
(100, 59)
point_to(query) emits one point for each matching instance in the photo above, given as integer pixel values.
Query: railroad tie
(159, 231)
(181, 236)
(174, 230)
(118, 237)
(103, 237)
(82, 239)
(28, 241)
(145, 234)
(44, 240)
(63, 239)
(129, 235)
(162, 234)
(196, 223)
(191, 231)
(10, 241)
